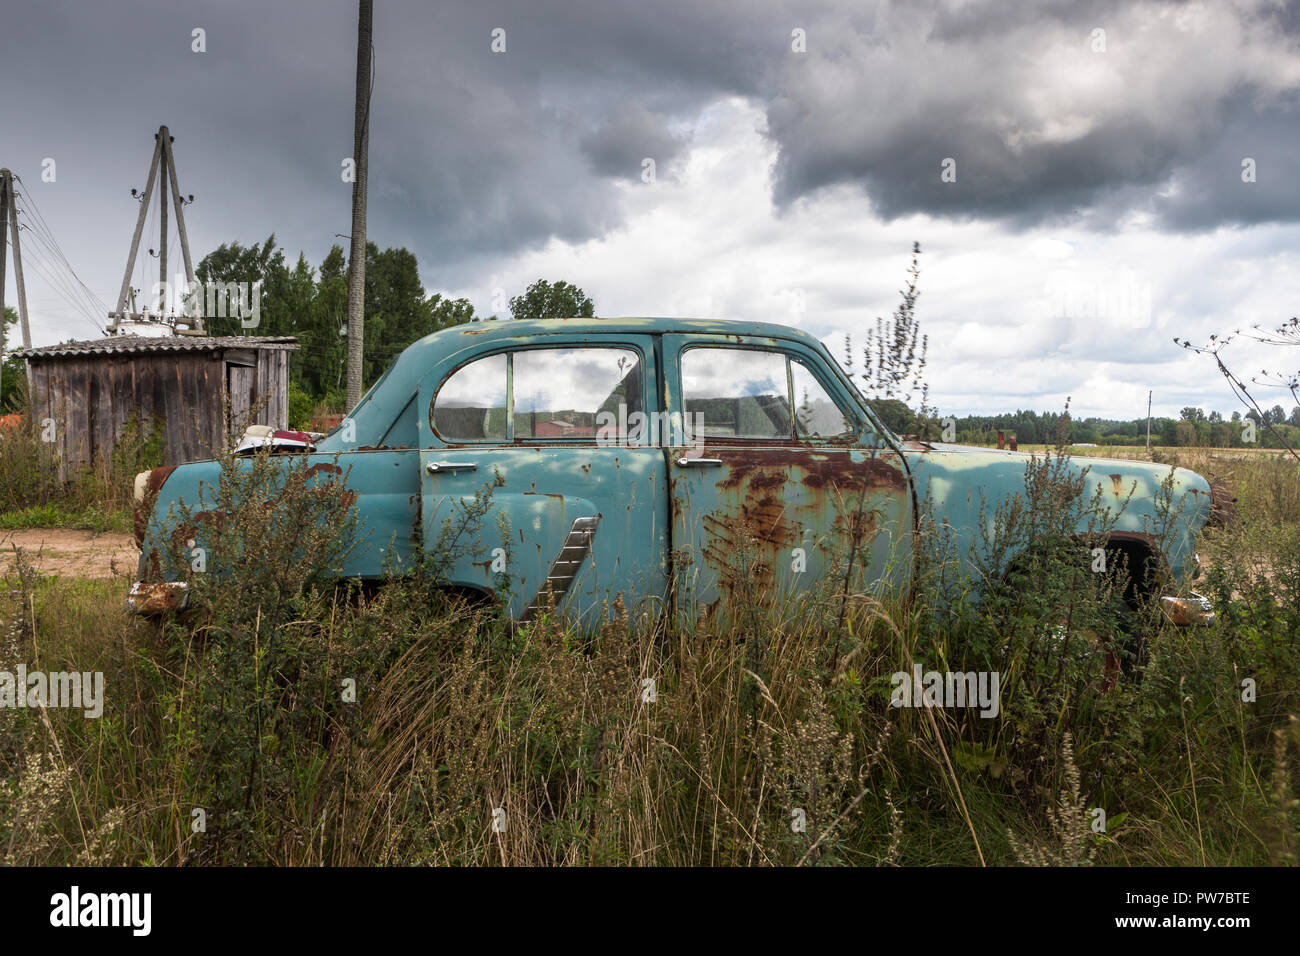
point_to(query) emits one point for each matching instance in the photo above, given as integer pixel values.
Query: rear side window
(757, 394)
(560, 394)
(471, 405)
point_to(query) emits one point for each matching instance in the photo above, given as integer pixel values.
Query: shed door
(239, 393)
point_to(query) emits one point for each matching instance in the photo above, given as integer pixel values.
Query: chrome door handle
(438, 467)
(699, 462)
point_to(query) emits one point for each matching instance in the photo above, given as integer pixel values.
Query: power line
(39, 219)
(56, 275)
(58, 271)
(51, 275)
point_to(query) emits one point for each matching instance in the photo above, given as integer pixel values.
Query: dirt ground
(81, 554)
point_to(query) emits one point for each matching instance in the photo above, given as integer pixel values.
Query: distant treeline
(1194, 427)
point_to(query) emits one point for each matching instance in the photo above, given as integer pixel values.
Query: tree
(312, 305)
(449, 312)
(323, 341)
(1191, 414)
(397, 312)
(546, 300)
(895, 415)
(12, 369)
(893, 364)
(246, 267)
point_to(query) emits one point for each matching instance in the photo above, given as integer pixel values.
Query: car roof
(381, 404)
(506, 328)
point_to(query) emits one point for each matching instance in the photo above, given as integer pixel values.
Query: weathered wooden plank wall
(92, 399)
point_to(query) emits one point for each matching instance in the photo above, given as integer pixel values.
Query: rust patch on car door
(771, 520)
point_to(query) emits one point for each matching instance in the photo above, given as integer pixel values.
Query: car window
(560, 393)
(403, 433)
(736, 393)
(471, 405)
(576, 394)
(815, 413)
(757, 394)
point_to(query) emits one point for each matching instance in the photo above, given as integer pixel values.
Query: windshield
(365, 400)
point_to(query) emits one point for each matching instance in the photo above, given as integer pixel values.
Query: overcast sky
(1101, 154)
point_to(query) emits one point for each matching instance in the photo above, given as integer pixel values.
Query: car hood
(963, 484)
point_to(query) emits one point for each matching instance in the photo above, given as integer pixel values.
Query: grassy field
(287, 722)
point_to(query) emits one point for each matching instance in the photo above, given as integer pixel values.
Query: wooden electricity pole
(164, 163)
(162, 207)
(357, 264)
(9, 217)
(1148, 423)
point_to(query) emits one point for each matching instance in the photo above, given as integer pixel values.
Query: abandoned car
(664, 460)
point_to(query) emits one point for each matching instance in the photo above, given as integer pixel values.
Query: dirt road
(79, 554)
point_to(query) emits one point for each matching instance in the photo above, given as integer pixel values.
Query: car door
(784, 486)
(532, 488)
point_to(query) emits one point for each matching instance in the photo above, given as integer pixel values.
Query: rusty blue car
(666, 461)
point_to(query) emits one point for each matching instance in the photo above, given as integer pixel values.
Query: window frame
(850, 437)
(509, 351)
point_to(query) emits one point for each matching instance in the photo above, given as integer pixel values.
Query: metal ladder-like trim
(577, 545)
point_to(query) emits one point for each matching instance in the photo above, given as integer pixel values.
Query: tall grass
(313, 724)
(96, 498)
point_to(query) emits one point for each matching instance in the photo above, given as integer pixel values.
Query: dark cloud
(1041, 125)
(1213, 190)
(473, 154)
(477, 155)
(619, 146)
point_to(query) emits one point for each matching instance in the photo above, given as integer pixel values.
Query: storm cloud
(479, 152)
(510, 136)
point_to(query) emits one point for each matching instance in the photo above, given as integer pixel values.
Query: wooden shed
(92, 390)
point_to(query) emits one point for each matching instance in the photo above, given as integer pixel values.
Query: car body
(662, 460)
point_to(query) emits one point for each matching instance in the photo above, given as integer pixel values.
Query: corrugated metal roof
(132, 344)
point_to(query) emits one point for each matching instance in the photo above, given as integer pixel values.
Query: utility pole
(180, 217)
(9, 216)
(357, 263)
(1148, 422)
(4, 255)
(4, 225)
(162, 169)
(162, 210)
